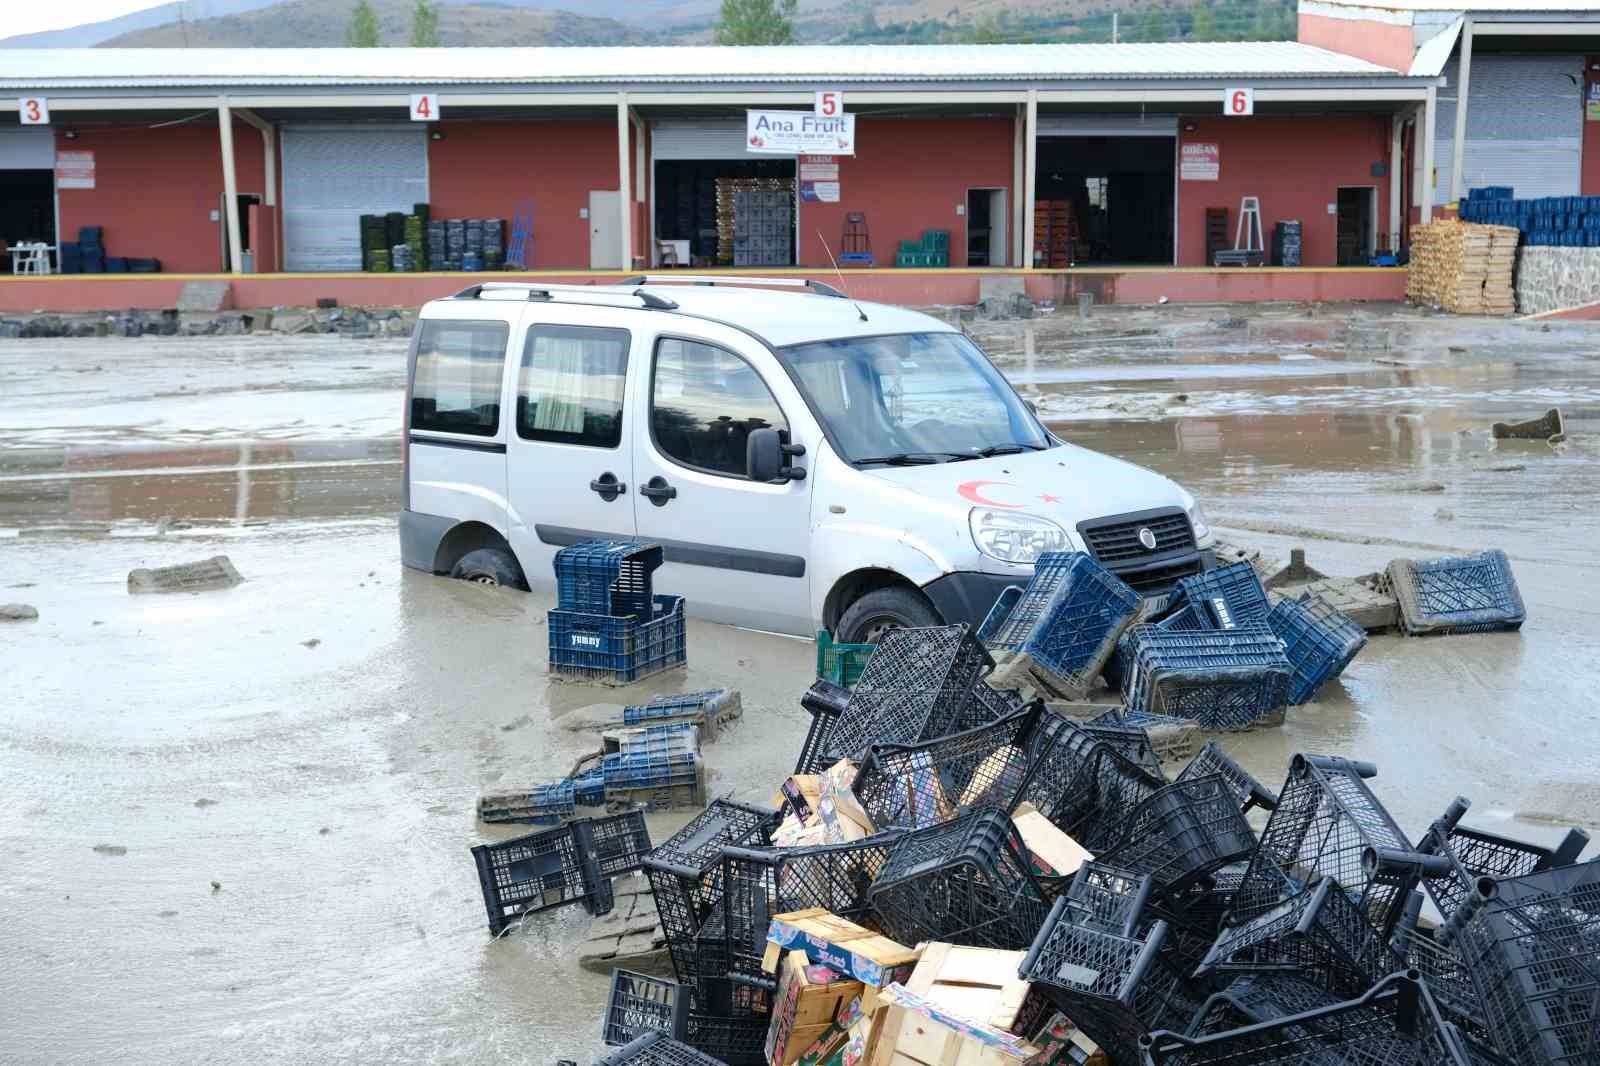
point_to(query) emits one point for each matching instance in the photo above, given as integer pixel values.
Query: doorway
(987, 226)
(1357, 233)
(247, 260)
(1104, 200)
(605, 230)
(27, 209)
(732, 212)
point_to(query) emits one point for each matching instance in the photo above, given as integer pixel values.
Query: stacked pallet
(1463, 268)
(762, 214)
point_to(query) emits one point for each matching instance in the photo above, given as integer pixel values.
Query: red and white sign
(34, 111)
(1200, 162)
(424, 107)
(1238, 102)
(74, 170)
(830, 103)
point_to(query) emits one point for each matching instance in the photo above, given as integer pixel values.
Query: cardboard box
(840, 945)
(1061, 1043)
(835, 784)
(1054, 853)
(907, 1030)
(978, 984)
(799, 795)
(808, 1002)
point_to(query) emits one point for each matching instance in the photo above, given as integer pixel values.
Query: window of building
(456, 386)
(572, 383)
(705, 401)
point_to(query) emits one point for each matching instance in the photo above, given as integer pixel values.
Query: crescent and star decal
(971, 490)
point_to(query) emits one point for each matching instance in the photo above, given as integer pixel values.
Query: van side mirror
(767, 454)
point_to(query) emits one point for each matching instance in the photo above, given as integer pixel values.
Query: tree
(363, 29)
(424, 25)
(1204, 25)
(756, 22)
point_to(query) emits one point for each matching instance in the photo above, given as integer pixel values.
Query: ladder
(1247, 236)
(521, 235)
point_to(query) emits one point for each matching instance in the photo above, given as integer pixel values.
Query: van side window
(456, 387)
(704, 402)
(570, 390)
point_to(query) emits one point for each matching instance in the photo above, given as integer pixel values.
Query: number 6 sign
(424, 107)
(34, 111)
(830, 103)
(1237, 102)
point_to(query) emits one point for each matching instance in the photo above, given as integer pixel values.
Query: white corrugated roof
(1510, 7)
(1435, 52)
(830, 64)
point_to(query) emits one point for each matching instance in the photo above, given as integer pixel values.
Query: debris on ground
(1296, 572)
(216, 572)
(1544, 427)
(1417, 486)
(110, 849)
(18, 612)
(630, 935)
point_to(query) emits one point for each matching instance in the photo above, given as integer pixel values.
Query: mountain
(320, 24)
(92, 33)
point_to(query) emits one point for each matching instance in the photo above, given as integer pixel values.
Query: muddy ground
(235, 824)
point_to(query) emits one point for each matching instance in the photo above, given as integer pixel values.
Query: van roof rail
(648, 300)
(818, 287)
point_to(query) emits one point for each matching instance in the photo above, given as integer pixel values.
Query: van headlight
(1015, 538)
(1197, 521)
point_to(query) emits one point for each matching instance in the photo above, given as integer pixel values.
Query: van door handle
(658, 491)
(608, 486)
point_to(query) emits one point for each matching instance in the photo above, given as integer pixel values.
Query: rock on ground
(18, 612)
(216, 572)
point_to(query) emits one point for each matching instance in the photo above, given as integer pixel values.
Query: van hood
(1066, 484)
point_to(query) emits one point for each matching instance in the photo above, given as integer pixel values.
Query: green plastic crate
(908, 259)
(936, 240)
(910, 247)
(841, 663)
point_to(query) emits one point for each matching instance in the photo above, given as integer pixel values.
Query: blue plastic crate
(589, 789)
(539, 805)
(1078, 629)
(644, 769)
(1469, 595)
(999, 611)
(606, 577)
(1227, 597)
(1009, 631)
(679, 706)
(617, 648)
(1225, 680)
(680, 738)
(1318, 639)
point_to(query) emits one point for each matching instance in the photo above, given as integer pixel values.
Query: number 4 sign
(424, 107)
(830, 103)
(1238, 102)
(34, 111)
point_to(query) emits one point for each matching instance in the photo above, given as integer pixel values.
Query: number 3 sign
(1238, 102)
(34, 111)
(424, 107)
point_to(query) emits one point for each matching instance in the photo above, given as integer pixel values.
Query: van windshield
(912, 398)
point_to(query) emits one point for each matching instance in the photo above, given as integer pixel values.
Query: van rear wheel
(489, 566)
(869, 618)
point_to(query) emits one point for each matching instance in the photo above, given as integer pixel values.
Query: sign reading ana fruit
(799, 132)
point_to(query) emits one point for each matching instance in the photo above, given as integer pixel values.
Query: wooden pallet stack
(1462, 267)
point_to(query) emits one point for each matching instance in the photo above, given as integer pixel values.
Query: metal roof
(101, 68)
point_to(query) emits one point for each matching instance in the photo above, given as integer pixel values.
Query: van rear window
(456, 385)
(572, 385)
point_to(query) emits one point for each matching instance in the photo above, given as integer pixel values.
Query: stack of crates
(608, 625)
(1055, 233)
(657, 767)
(763, 226)
(933, 250)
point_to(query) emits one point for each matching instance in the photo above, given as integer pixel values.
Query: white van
(806, 461)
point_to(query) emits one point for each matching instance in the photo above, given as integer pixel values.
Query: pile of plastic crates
(608, 625)
(1222, 679)
(572, 864)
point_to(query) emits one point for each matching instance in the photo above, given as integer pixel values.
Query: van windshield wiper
(990, 451)
(905, 459)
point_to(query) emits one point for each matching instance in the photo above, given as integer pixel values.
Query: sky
(31, 17)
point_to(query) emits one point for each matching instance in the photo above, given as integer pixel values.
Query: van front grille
(1115, 541)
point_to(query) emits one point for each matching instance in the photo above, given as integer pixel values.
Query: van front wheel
(488, 566)
(869, 618)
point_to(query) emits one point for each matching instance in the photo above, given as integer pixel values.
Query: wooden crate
(908, 1030)
(808, 1002)
(840, 945)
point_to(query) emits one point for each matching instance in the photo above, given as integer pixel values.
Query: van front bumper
(967, 596)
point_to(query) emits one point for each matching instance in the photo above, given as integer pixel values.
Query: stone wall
(1551, 278)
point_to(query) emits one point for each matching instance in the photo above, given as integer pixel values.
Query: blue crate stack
(1225, 680)
(1550, 221)
(609, 625)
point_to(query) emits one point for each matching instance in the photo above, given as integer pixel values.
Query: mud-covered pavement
(313, 741)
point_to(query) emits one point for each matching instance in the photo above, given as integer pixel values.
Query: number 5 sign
(1238, 102)
(424, 107)
(830, 103)
(34, 111)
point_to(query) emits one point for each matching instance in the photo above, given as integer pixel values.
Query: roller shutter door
(1108, 126)
(1524, 125)
(333, 175)
(27, 149)
(699, 140)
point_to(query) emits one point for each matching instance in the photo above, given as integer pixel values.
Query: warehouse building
(1092, 163)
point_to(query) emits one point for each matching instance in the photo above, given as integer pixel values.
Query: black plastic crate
(1532, 947)
(1457, 595)
(1253, 998)
(539, 871)
(967, 881)
(1318, 639)
(1475, 853)
(1223, 680)
(1119, 785)
(1213, 760)
(1106, 898)
(1320, 934)
(1077, 630)
(987, 704)
(915, 687)
(1170, 739)
(1447, 978)
(1114, 986)
(918, 785)
(825, 701)
(1395, 1023)
(1131, 740)
(1225, 597)
(654, 1049)
(638, 1004)
(607, 577)
(1325, 821)
(618, 648)
(621, 842)
(1062, 758)
(1182, 832)
(1202, 909)
(734, 1041)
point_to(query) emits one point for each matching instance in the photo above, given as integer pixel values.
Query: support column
(1458, 150)
(1017, 122)
(1430, 112)
(230, 187)
(1030, 167)
(624, 181)
(269, 154)
(1397, 128)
